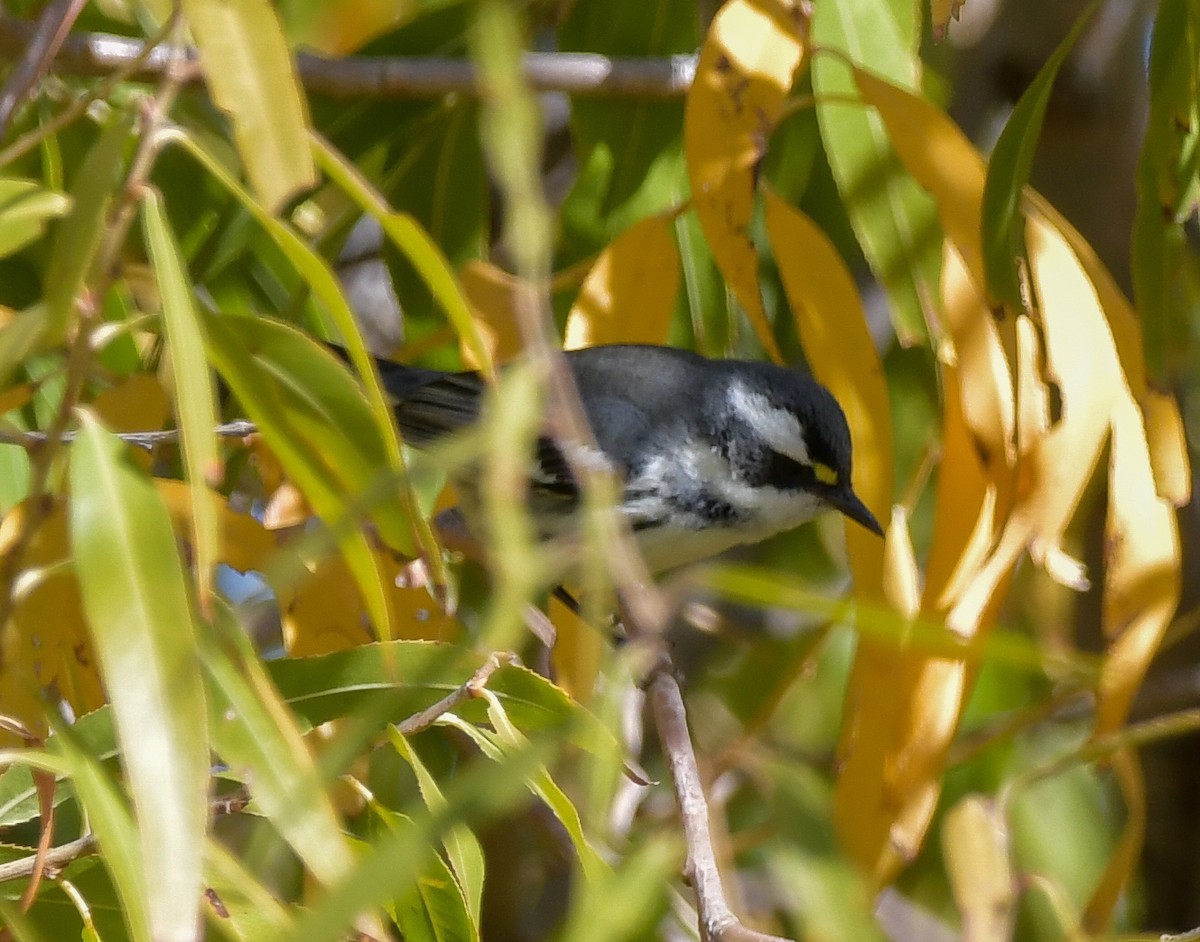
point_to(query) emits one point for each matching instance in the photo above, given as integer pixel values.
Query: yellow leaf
(747, 65)
(136, 404)
(1168, 447)
(629, 295)
(975, 843)
(578, 652)
(244, 543)
(939, 157)
(493, 296)
(325, 612)
(833, 331)
(46, 642)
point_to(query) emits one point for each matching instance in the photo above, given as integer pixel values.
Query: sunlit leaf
(143, 628)
(252, 78)
(976, 846)
(893, 220)
(78, 234)
(25, 209)
(748, 62)
(629, 295)
(195, 408)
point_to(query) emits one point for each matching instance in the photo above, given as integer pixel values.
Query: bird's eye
(785, 472)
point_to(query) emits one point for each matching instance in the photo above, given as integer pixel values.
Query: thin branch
(53, 860)
(239, 428)
(577, 73)
(430, 715)
(42, 45)
(717, 921)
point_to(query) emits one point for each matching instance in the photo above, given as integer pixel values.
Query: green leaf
(252, 911)
(122, 844)
(251, 77)
(462, 847)
(143, 628)
(434, 909)
(25, 208)
(255, 734)
(195, 407)
(19, 337)
(77, 236)
(413, 241)
(320, 278)
(393, 861)
(895, 221)
(633, 133)
(316, 421)
(1167, 180)
(1003, 223)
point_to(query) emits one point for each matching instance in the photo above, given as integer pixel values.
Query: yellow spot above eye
(824, 473)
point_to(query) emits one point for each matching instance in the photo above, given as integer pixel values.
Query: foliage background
(969, 749)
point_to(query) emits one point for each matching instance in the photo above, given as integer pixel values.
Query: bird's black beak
(848, 503)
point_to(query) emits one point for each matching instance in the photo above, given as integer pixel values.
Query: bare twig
(147, 440)
(717, 921)
(53, 860)
(431, 714)
(576, 73)
(39, 50)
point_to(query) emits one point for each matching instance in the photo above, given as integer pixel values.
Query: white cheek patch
(779, 428)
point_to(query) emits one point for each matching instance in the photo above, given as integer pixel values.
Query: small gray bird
(713, 453)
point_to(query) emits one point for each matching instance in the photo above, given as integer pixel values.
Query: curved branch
(577, 73)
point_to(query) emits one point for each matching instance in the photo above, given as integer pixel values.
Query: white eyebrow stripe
(779, 428)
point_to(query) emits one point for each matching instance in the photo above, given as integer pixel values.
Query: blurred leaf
(641, 882)
(123, 845)
(747, 65)
(462, 847)
(250, 911)
(404, 232)
(827, 895)
(975, 843)
(1126, 856)
(1008, 175)
(195, 408)
(629, 295)
(492, 294)
(506, 741)
(941, 12)
(242, 544)
(77, 235)
(1167, 180)
(894, 221)
(255, 734)
(393, 862)
(19, 337)
(47, 644)
(25, 208)
(416, 674)
(251, 77)
(312, 413)
(433, 908)
(324, 613)
(438, 178)
(135, 596)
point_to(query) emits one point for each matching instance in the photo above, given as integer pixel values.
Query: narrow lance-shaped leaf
(893, 220)
(251, 77)
(195, 408)
(136, 599)
(1003, 223)
(78, 234)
